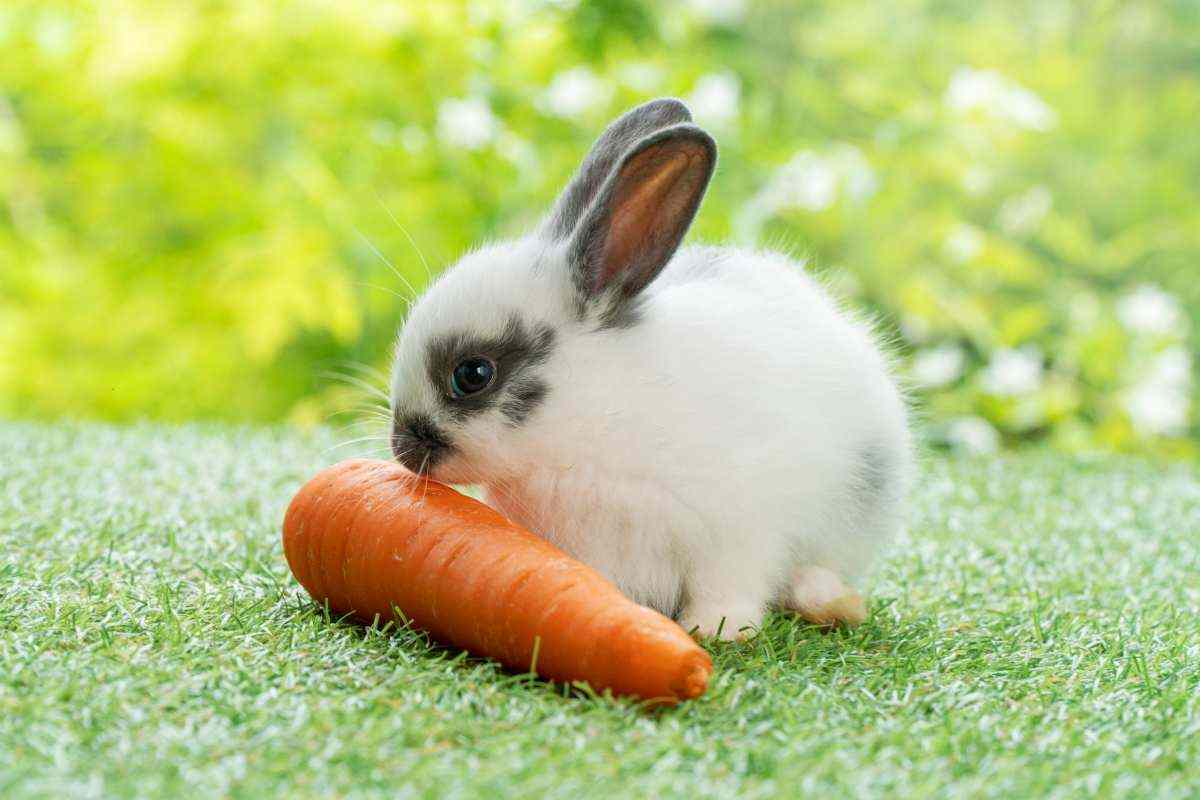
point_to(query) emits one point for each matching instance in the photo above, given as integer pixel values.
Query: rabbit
(702, 425)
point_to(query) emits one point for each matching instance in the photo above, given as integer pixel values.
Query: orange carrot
(371, 539)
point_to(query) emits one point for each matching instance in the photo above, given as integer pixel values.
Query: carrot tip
(695, 679)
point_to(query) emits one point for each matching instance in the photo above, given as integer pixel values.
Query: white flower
(641, 75)
(575, 92)
(857, 177)
(972, 435)
(12, 140)
(467, 123)
(938, 366)
(1020, 215)
(1172, 367)
(1013, 372)
(811, 182)
(993, 94)
(1028, 110)
(964, 243)
(807, 181)
(55, 35)
(715, 98)
(382, 131)
(1148, 309)
(719, 12)
(888, 133)
(413, 138)
(517, 150)
(1158, 409)
(1084, 310)
(977, 180)
(1161, 403)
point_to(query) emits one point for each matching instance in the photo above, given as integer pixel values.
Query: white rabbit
(703, 425)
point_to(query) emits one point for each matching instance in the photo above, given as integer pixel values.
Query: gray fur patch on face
(524, 396)
(517, 351)
(622, 134)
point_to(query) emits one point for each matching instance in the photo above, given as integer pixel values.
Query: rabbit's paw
(821, 597)
(726, 621)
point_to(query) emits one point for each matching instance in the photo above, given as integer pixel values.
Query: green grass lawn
(1037, 633)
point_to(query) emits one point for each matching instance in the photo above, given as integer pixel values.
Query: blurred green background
(197, 200)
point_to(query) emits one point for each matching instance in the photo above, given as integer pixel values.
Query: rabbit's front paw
(729, 622)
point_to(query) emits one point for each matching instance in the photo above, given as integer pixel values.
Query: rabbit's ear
(617, 138)
(642, 212)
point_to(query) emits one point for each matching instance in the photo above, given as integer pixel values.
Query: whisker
(359, 383)
(424, 487)
(535, 518)
(369, 424)
(377, 413)
(367, 420)
(408, 301)
(358, 440)
(390, 265)
(367, 405)
(368, 370)
(407, 235)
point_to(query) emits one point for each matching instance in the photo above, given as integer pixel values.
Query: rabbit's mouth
(419, 444)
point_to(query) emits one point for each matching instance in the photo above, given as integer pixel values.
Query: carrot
(373, 540)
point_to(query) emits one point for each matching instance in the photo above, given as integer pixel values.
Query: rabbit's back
(789, 394)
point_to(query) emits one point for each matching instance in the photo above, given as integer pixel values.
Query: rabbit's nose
(418, 443)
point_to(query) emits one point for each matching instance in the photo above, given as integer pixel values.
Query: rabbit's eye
(472, 375)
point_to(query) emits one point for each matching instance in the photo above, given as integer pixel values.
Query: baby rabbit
(703, 425)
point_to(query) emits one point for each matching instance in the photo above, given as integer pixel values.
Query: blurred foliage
(198, 201)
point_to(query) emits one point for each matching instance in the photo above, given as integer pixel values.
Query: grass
(1036, 634)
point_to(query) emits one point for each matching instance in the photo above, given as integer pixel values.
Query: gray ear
(642, 211)
(617, 138)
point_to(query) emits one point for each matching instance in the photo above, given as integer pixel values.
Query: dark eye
(472, 375)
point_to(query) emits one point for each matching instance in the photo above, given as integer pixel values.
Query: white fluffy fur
(699, 456)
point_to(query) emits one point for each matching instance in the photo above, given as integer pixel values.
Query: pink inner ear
(649, 209)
